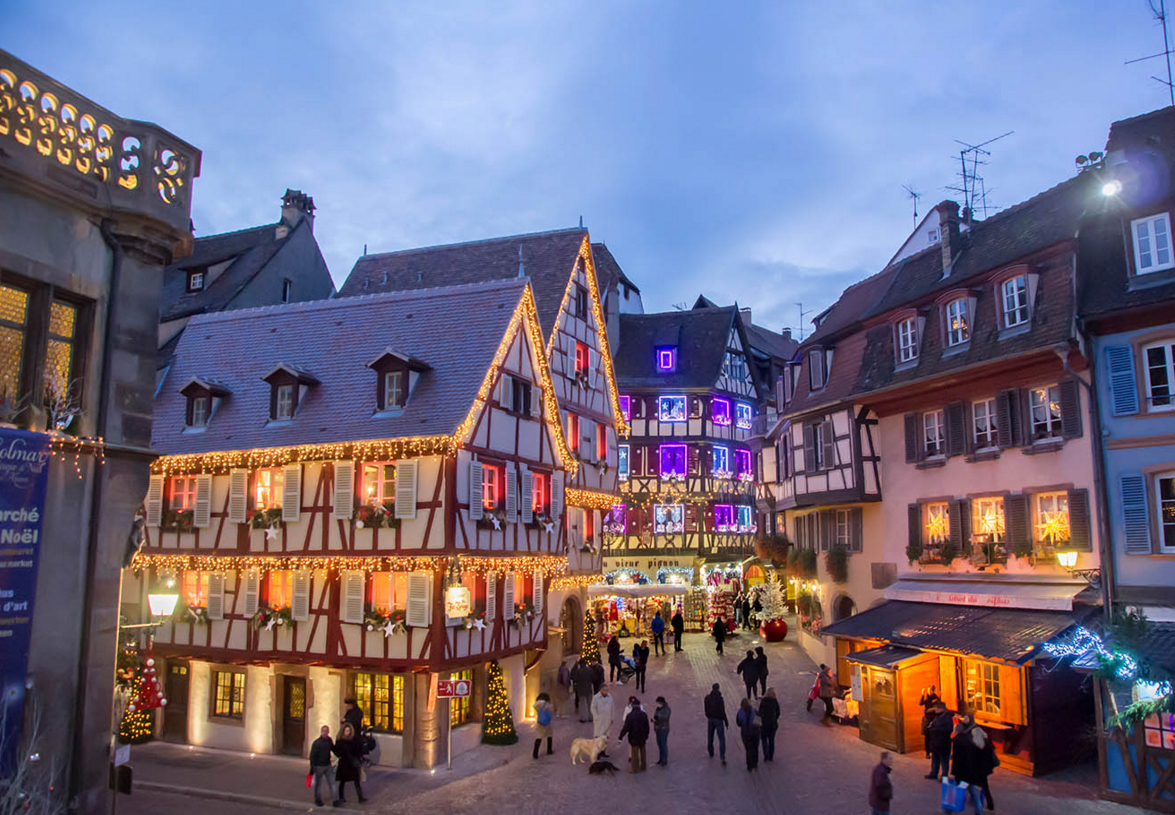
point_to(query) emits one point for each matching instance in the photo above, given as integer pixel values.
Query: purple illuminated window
(666, 358)
(626, 407)
(745, 415)
(615, 522)
(742, 462)
(720, 410)
(673, 461)
(724, 518)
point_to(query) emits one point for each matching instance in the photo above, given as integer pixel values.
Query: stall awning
(1005, 591)
(886, 656)
(647, 590)
(1010, 635)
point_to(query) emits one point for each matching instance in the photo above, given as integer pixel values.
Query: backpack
(544, 717)
(754, 723)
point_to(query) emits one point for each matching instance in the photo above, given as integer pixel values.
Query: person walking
(761, 667)
(544, 717)
(769, 713)
(827, 691)
(661, 730)
(581, 678)
(719, 631)
(640, 655)
(603, 712)
(750, 727)
(349, 750)
(880, 786)
(716, 721)
(353, 714)
(563, 690)
(746, 611)
(320, 769)
(749, 669)
(678, 625)
(938, 741)
(597, 676)
(972, 760)
(636, 727)
(613, 658)
(928, 700)
(657, 626)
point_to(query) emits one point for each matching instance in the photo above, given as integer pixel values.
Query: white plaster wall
(514, 675)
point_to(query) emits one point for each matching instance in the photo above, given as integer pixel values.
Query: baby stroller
(627, 669)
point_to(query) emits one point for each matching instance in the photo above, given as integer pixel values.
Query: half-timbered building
(357, 497)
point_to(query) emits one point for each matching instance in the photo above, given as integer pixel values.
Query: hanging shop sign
(458, 602)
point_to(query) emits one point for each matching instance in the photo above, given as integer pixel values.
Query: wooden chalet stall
(357, 497)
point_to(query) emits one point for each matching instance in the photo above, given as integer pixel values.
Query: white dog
(588, 748)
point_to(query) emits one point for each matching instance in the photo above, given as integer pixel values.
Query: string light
(589, 499)
(576, 581)
(1053, 527)
(77, 446)
(547, 565)
(1082, 641)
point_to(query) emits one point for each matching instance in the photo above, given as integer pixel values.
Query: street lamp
(162, 604)
(1111, 188)
(1067, 559)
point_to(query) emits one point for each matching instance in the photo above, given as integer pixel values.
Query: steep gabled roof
(701, 336)
(608, 271)
(335, 339)
(547, 258)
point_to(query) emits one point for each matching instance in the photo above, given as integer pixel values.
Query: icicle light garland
(589, 499)
(547, 565)
(576, 581)
(70, 449)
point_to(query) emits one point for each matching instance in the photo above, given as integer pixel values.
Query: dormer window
(196, 280)
(817, 376)
(198, 411)
(1152, 243)
(393, 389)
(283, 401)
(666, 359)
(908, 340)
(396, 375)
(957, 323)
(1014, 296)
(287, 389)
(203, 396)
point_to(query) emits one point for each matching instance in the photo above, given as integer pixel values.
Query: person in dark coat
(719, 631)
(354, 715)
(749, 668)
(750, 727)
(769, 713)
(657, 626)
(880, 786)
(320, 752)
(757, 610)
(613, 658)
(349, 750)
(716, 721)
(827, 691)
(938, 740)
(973, 759)
(678, 625)
(581, 678)
(761, 666)
(746, 612)
(928, 700)
(636, 727)
(640, 655)
(597, 677)
(661, 730)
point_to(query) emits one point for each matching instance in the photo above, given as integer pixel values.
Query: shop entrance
(293, 715)
(175, 712)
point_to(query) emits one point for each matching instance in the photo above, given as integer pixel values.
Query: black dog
(601, 767)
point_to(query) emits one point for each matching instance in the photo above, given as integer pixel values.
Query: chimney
(948, 225)
(968, 216)
(296, 205)
(785, 333)
(746, 315)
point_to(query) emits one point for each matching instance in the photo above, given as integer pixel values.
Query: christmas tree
(774, 601)
(718, 604)
(497, 727)
(591, 646)
(138, 720)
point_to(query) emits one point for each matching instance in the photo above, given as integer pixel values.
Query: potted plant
(808, 562)
(836, 561)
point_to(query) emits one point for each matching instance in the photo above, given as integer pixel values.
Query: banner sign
(24, 469)
(453, 688)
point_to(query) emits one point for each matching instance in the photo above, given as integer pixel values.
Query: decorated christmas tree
(774, 601)
(497, 727)
(138, 720)
(591, 646)
(718, 604)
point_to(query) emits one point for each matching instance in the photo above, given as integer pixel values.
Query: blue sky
(750, 151)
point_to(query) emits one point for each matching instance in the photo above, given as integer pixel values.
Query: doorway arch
(571, 621)
(843, 607)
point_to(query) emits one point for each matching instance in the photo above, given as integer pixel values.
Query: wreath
(390, 622)
(193, 614)
(178, 520)
(376, 516)
(267, 617)
(265, 518)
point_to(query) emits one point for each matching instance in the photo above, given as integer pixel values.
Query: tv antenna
(681, 306)
(800, 306)
(1160, 14)
(914, 196)
(974, 189)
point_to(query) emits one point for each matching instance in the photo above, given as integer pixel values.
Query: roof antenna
(1160, 14)
(974, 189)
(915, 196)
(581, 222)
(521, 263)
(800, 306)
(364, 250)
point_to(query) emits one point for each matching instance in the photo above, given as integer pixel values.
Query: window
(958, 328)
(287, 290)
(622, 462)
(938, 524)
(615, 522)
(492, 480)
(671, 408)
(381, 698)
(389, 590)
(459, 706)
(984, 419)
(736, 366)
(573, 432)
(746, 519)
(724, 520)
(1015, 299)
(983, 687)
(267, 491)
(721, 463)
(1160, 730)
(283, 409)
(55, 362)
(520, 396)
(933, 433)
(230, 695)
(668, 518)
(581, 359)
(816, 369)
(1045, 407)
(394, 390)
(907, 340)
(1159, 362)
(843, 531)
(581, 302)
(183, 493)
(379, 482)
(742, 465)
(279, 588)
(666, 358)
(59, 362)
(1152, 244)
(196, 280)
(626, 407)
(987, 520)
(673, 461)
(1165, 492)
(1052, 519)
(720, 411)
(744, 415)
(822, 444)
(198, 411)
(540, 492)
(194, 589)
(13, 326)
(601, 441)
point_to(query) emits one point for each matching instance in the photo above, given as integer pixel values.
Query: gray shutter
(829, 444)
(406, 472)
(344, 489)
(508, 597)
(507, 399)
(419, 611)
(238, 490)
(252, 591)
(827, 528)
(536, 399)
(537, 600)
(354, 587)
(491, 596)
(476, 510)
(557, 497)
(1070, 408)
(912, 440)
(1080, 536)
(959, 512)
(300, 602)
(857, 526)
(215, 607)
(291, 493)
(154, 501)
(1017, 522)
(511, 492)
(809, 448)
(957, 435)
(1123, 387)
(1136, 520)
(527, 495)
(202, 512)
(914, 515)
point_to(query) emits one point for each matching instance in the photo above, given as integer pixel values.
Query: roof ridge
(434, 247)
(355, 300)
(238, 231)
(682, 312)
(1141, 116)
(1033, 200)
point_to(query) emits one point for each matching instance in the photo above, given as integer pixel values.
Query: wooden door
(293, 715)
(881, 727)
(175, 712)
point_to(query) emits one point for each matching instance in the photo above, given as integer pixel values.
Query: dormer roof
(411, 362)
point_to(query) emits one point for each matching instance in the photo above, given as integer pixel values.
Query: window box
(493, 519)
(523, 613)
(265, 518)
(392, 621)
(270, 618)
(178, 520)
(195, 615)
(539, 521)
(376, 515)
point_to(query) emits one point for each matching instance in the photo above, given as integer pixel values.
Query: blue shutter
(1135, 520)
(1123, 390)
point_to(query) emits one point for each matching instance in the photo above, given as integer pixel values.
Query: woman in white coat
(602, 712)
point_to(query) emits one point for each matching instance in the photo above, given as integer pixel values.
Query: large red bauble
(773, 630)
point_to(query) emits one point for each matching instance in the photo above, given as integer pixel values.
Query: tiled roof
(1014, 635)
(608, 271)
(770, 342)
(1155, 647)
(853, 303)
(334, 340)
(547, 258)
(700, 336)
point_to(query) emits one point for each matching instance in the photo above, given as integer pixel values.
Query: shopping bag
(309, 780)
(954, 795)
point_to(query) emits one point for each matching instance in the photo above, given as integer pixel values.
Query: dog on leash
(601, 767)
(588, 748)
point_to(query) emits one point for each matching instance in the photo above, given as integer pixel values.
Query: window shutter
(693, 464)
(637, 464)
(536, 400)
(957, 435)
(155, 501)
(508, 597)
(476, 510)
(511, 493)
(1012, 695)
(1135, 518)
(829, 444)
(527, 495)
(556, 495)
(1080, 537)
(202, 512)
(1070, 408)
(215, 607)
(1017, 522)
(419, 611)
(238, 488)
(593, 368)
(291, 493)
(507, 400)
(690, 518)
(1007, 419)
(914, 513)
(354, 586)
(491, 595)
(959, 513)
(538, 595)
(252, 591)
(406, 488)
(344, 505)
(856, 525)
(300, 604)
(1123, 388)
(912, 446)
(809, 448)
(593, 441)
(827, 529)
(611, 456)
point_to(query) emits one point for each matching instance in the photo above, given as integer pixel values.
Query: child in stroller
(627, 668)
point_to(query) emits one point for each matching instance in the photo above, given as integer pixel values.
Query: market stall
(628, 608)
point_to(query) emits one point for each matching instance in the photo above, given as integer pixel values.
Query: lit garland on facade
(589, 499)
(497, 726)
(576, 581)
(77, 446)
(548, 565)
